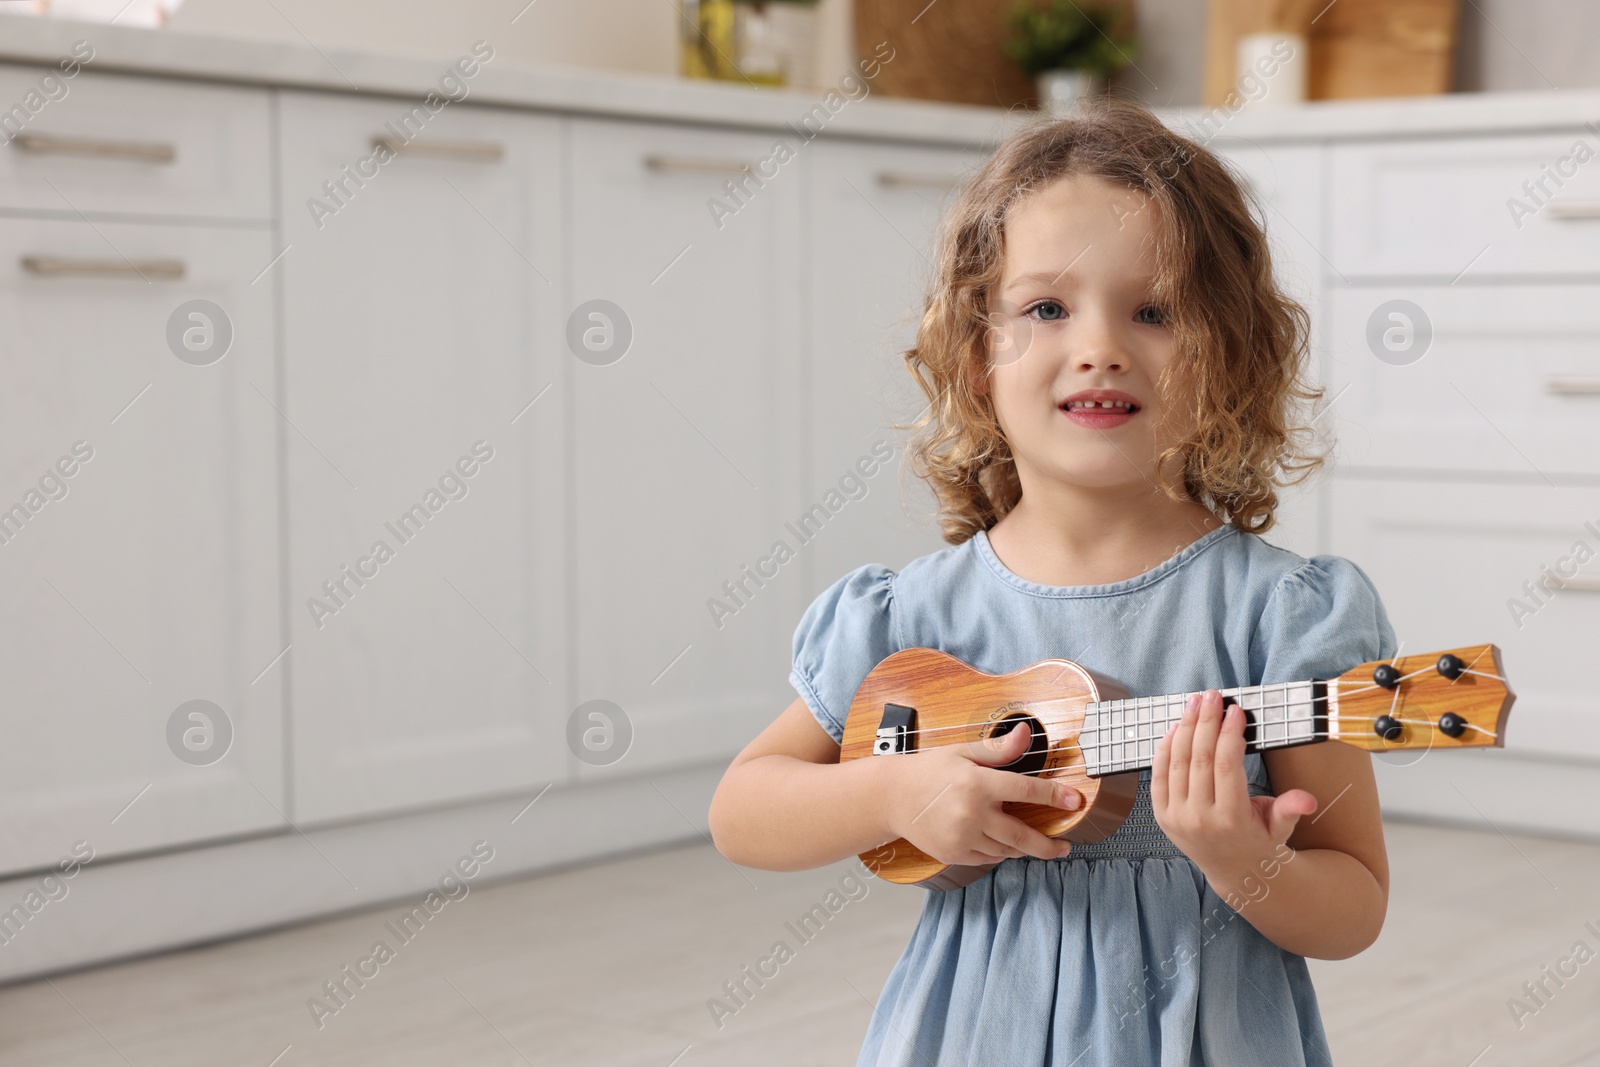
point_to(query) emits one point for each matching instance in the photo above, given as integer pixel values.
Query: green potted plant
(1070, 48)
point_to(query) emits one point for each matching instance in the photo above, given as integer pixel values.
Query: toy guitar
(920, 697)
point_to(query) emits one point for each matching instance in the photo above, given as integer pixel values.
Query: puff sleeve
(1322, 618)
(848, 630)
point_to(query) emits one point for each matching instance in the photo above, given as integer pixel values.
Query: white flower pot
(1062, 91)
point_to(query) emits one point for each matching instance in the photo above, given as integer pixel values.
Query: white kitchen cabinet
(871, 215)
(1509, 382)
(147, 576)
(1465, 563)
(685, 449)
(421, 321)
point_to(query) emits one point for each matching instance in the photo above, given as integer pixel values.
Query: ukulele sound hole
(1031, 761)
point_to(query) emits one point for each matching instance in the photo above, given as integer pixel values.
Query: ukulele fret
(1120, 735)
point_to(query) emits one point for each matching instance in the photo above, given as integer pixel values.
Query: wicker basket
(950, 51)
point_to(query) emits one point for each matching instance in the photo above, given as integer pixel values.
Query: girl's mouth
(1099, 414)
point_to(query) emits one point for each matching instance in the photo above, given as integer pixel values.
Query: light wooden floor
(612, 966)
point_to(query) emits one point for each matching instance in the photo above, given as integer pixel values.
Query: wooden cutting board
(1359, 48)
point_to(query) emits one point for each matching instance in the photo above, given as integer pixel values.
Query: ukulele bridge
(894, 730)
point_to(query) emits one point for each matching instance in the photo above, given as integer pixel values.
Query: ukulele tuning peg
(1451, 724)
(1387, 727)
(1451, 667)
(1386, 676)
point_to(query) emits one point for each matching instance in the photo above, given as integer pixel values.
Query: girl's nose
(1100, 352)
(1095, 344)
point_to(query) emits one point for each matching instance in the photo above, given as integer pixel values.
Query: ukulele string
(970, 725)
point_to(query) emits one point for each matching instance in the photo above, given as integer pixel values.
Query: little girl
(1114, 382)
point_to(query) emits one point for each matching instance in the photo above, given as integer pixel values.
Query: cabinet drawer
(1509, 382)
(118, 144)
(1501, 205)
(1459, 564)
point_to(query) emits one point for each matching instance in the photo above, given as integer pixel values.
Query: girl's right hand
(946, 801)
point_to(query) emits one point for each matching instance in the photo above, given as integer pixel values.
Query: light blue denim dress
(1119, 954)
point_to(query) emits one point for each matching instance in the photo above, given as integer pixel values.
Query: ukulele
(1090, 732)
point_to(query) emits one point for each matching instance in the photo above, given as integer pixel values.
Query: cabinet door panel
(687, 448)
(1286, 182)
(147, 576)
(873, 210)
(1459, 564)
(418, 329)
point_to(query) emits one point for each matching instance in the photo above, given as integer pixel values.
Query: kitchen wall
(1528, 44)
(635, 35)
(627, 35)
(1505, 44)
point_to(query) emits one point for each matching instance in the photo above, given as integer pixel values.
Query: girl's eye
(1057, 315)
(1150, 315)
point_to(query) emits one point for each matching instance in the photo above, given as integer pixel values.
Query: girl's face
(1076, 327)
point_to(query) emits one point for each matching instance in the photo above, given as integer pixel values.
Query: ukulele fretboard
(1121, 735)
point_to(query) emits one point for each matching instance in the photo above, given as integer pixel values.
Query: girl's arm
(1332, 907)
(788, 804)
(1316, 888)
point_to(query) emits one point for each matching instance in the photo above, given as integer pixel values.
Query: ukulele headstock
(1454, 699)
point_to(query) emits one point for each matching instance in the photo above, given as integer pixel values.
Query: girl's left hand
(1201, 800)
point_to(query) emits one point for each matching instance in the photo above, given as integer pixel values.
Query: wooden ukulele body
(955, 703)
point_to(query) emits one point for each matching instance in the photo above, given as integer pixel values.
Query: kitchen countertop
(168, 53)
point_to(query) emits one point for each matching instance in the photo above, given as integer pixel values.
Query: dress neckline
(1128, 585)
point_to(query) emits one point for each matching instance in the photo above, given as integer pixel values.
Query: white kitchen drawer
(1440, 207)
(1510, 381)
(1450, 560)
(130, 145)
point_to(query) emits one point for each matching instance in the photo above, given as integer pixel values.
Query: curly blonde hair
(1241, 342)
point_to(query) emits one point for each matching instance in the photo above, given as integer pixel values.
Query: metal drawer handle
(142, 151)
(899, 179)
(1583, 583)
(475, 151)
(59, 266)
(1573, 210)
(1562, 386)
(714, 166)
